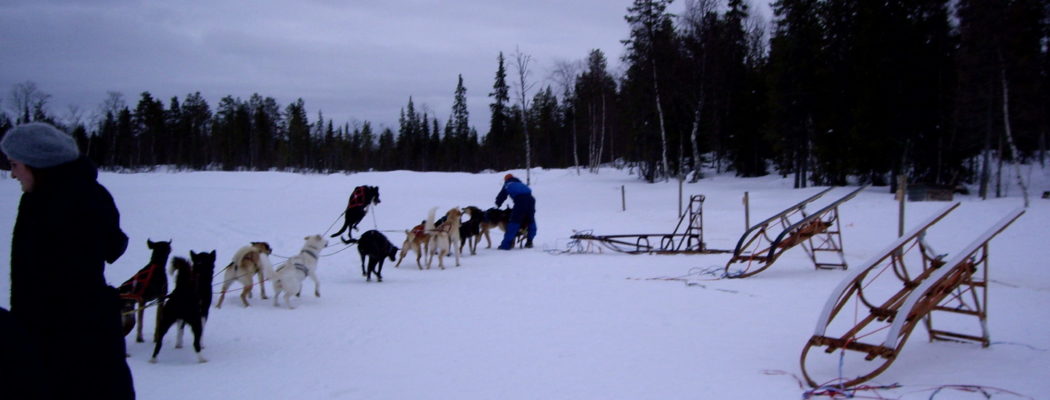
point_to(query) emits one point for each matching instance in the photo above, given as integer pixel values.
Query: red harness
(135, 288)
(418, 231)
(357, 198)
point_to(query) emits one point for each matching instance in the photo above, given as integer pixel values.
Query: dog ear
(149, 244)
(193, 255)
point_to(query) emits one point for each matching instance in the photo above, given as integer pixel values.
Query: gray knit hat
(39, 145)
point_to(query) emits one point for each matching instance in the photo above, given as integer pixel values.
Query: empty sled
(688, 235)
(870, 315)
(818, 233)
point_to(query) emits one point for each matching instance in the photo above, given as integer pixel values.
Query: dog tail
(264, 264)
(340, 231)
(176, 264)
(429, 224)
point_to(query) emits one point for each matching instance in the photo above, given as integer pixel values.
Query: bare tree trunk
(693, 138)
(986, 162)
(663, 130)
(1010, 138)
(601, 139)
(592, 148)
(565, 75)
(522, 62)
(575, 149)
(999, 170)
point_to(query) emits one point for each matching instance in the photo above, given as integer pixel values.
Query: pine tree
(650, 51)
(496, 141)
(298, 128)
(650, 40)
(150, 131)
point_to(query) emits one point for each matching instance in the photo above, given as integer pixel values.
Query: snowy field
(533, 324)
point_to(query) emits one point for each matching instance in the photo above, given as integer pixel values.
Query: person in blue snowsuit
(523, 213)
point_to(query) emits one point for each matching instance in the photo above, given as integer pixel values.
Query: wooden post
(747, 212)
(680, 197)
(902, 191)
(623, 197)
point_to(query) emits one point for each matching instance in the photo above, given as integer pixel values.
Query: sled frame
(955, 286)
(819, 234)
(687, 238)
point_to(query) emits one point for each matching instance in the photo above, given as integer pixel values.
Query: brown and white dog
(443, 236)
(248, 261)
(491, 219)
(416, 240)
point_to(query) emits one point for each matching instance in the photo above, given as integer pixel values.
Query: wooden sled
(888, 297)
(687, 238)
(819, 234)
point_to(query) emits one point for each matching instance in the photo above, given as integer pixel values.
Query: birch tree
(565, 74)
(647, 18)
(521, 62)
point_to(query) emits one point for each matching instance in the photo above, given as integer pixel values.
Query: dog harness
(302, 267)
(358, 197)
(135, 288)
(418, 231)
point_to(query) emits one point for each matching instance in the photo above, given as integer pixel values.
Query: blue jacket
(517, 190)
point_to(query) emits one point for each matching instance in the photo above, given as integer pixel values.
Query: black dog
(150, 283)
(184, 305)
(203, 273)
(375, 246)
(356, 208)
(470, 231)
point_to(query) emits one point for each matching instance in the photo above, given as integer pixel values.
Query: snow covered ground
(532, 324)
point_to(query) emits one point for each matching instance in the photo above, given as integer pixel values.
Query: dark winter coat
(67, 229)
(524, 204)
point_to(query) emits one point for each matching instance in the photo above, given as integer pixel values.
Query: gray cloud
(353, 60)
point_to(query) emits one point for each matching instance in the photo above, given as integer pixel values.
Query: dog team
(188, 303)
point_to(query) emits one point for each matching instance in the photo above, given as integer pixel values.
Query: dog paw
(178, 346)
(153, 360)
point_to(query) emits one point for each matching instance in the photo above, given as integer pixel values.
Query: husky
(248, 261)
(290, 276)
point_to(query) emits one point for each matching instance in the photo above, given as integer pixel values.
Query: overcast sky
(354, 60)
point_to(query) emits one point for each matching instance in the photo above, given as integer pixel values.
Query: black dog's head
(373, 194)
(473, 211)
(161, 250)
(203, 262)
(392, 254)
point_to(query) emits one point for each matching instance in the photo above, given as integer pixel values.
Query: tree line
(830, 91)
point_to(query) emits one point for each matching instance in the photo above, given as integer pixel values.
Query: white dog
(443, 236)
(290, 276)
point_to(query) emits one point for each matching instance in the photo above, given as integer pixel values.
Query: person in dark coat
(67, 229)
(523, 213)
(23, 375)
